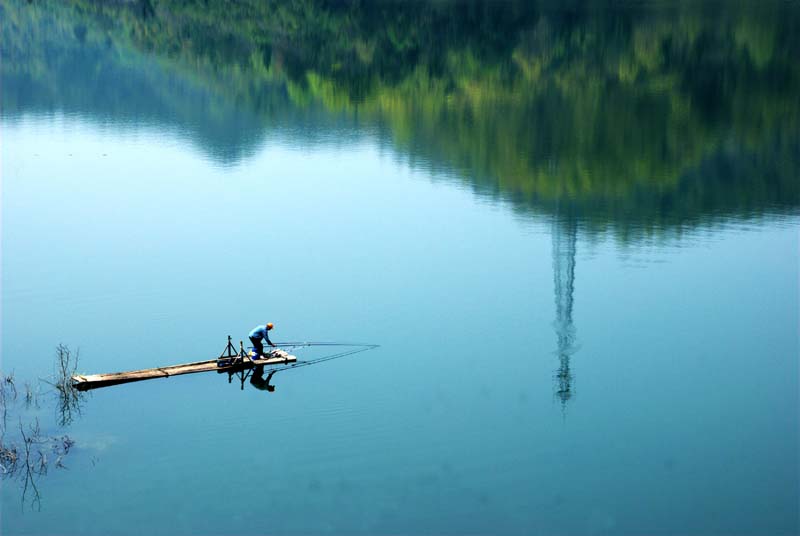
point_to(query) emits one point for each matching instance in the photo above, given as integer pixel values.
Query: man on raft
(258, 333)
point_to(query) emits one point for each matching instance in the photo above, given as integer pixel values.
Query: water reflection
(639, 120)
(638, 123)
(69, 399)
(255, 376)
(565, 232)
(27, 451)
(261, 383)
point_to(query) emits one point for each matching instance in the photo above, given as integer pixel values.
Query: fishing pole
(298, 364)
(323, 344)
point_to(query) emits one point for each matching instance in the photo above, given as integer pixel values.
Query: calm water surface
(573, 233)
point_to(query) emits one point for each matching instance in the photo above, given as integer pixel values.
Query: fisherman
(258, 333)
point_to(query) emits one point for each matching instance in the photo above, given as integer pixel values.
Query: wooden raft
(92, 381)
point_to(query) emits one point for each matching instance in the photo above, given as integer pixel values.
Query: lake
(572, 230)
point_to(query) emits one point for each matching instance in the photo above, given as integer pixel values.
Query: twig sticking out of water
(31, 396)
(26, 453)
(66, 365)
(8, 394)
(32, 470)
(28, 460)
(69, 403)
(9, 382)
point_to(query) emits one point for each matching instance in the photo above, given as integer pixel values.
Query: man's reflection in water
(258, 381)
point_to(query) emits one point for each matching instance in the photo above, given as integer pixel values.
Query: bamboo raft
(230, 363)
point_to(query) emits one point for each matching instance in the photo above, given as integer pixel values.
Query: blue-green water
(582, 274)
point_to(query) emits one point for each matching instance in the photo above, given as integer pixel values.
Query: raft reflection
(256, 377)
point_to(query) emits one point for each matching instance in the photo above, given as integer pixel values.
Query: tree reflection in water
(641, 122)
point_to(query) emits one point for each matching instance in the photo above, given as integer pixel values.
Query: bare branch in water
(70, 399)
(26, 452)
(11, 384)
(30, 469)
(66, 364)
(31, 396)
(8, 394)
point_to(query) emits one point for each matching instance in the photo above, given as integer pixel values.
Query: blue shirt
(259, 332)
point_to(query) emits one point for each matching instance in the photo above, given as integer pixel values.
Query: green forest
(638, 117)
